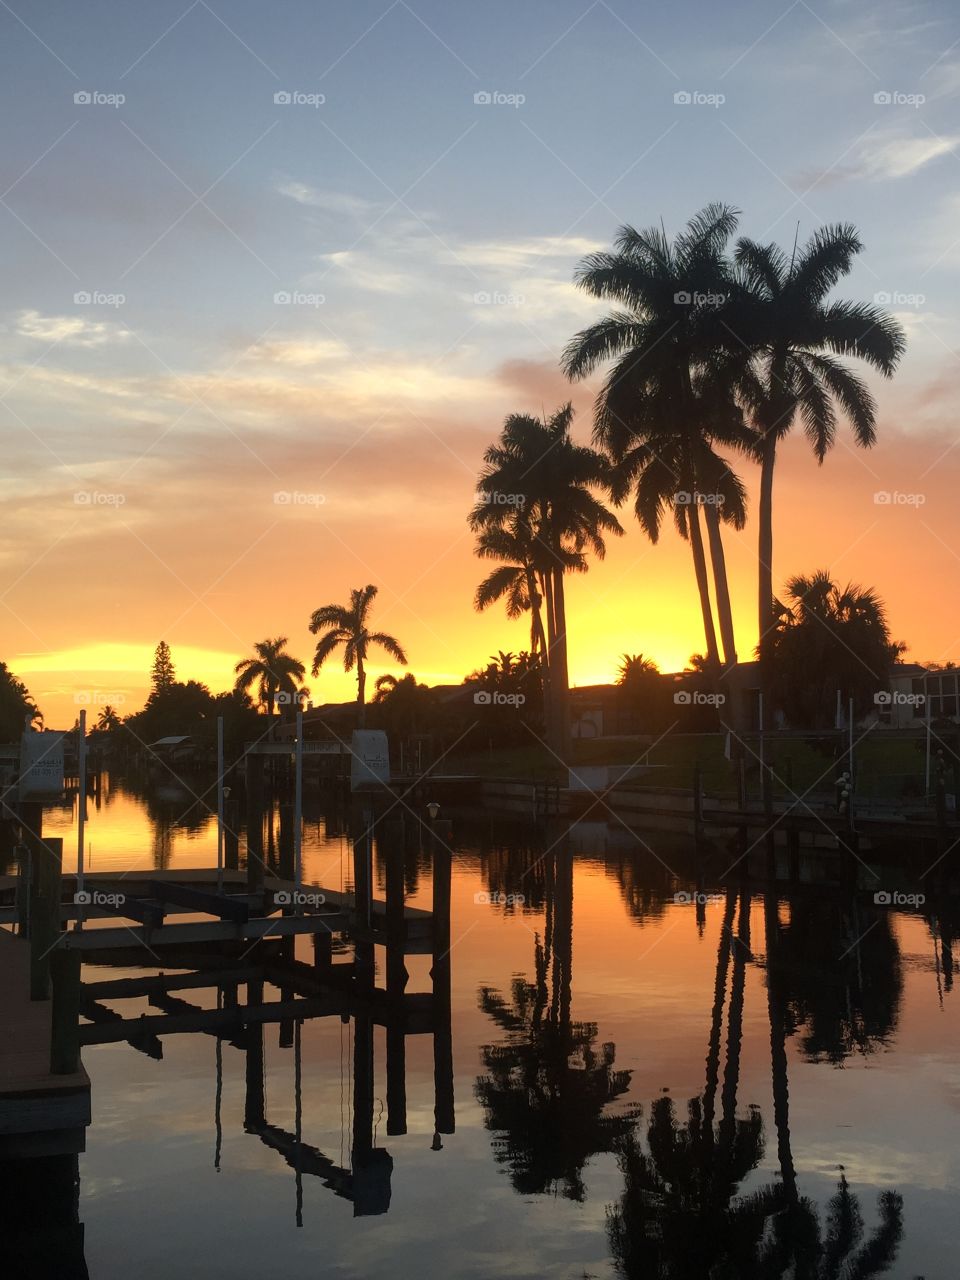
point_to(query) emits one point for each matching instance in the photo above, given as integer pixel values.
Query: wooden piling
(444, 1115)
(46, 857)
(65, 1012)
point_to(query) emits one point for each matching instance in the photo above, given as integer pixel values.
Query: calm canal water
(643, 1086)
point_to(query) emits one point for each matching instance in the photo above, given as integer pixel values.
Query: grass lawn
(885, 766)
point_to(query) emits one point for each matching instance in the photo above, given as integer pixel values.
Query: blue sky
(405, 203)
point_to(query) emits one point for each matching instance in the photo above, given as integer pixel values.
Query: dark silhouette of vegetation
(163, 673)
(17, 707)
(274, 672)
(829, 639)
(538, 486)
(794, 334)
(669, 398)
(348, 625)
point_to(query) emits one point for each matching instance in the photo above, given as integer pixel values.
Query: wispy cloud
(73, 330)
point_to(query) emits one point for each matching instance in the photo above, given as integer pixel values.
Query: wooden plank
(212, 904)
(226, 1020)
(202, 931)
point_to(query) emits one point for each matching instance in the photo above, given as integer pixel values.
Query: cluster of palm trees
(537, 513)
(278, 676)
(709, 349)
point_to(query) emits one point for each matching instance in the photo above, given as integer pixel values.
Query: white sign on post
(41, 764)
(370, 759)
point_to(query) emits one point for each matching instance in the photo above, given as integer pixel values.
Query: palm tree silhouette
(516, 581)
(547, 1085)
(348, 625)
(782, 316)
(828, 638)
(108, 720)
(273, 671)
(669, 396)
(555, 512)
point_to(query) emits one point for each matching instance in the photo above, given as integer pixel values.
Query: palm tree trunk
(361, 694)
(778, 1050)
(550, 690)
(721, 586)
(703, 585)
(537, 641)
(765, 615)
(560, 683)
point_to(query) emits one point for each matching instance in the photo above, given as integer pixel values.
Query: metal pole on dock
(81, 812)
(219, 804)
(298, 805)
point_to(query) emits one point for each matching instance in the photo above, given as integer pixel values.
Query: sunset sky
(148, 431)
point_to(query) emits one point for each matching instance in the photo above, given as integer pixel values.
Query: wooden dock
(40, 1113)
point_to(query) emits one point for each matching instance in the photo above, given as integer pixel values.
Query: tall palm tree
(782, 316)
(539, 464)
(272, 670)
(669, 395)
(348, 625)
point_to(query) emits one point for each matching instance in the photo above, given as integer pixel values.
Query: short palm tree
(348, 625)
(272, 670)
(108, 720)
(782, 316)
(516, 580)
(669, 396)
(634, 666)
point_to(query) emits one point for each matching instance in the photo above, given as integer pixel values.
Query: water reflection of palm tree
(548, 1085)
(682, 1214)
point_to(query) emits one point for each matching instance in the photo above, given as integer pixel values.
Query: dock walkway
(40, 1113)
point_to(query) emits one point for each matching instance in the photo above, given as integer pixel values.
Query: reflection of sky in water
(645, 977)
